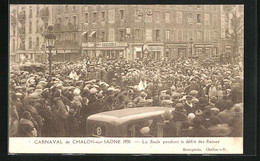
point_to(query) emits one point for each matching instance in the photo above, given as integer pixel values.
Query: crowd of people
(205, 98)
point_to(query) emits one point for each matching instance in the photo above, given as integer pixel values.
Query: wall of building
(29, 31)
(180, 28)
(132, 34)
(227, 12)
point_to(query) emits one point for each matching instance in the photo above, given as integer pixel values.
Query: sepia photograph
(126, 71)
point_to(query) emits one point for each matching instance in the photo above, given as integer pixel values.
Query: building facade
(154, 31)
(116, 31)
(227, 28)
(67, 28)
(27, 31)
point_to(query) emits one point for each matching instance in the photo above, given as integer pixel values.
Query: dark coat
(170, 129)
(97, 107)
(72, 127)
(26, 128)
(50, 126)
(35, 116)
(19, 107)
(189, 109)
(61, 115)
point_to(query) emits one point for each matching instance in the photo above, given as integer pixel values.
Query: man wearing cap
(169, 126)
(27, 125)
(72, 125)
(236, 123)
(227, 115)
(194, 85)
(178, 117)
(188, 105)
(141, 98)
(60, 112)
(167, 102)
(98, 105)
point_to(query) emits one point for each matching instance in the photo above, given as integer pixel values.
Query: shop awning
(92, 33)
(203, 45)
(84, 33)
(74, 51)
(60, 51)
(21, 52)
(103, 49)
(67, 51)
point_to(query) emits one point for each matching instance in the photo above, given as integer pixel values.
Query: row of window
(31, 11)
(29, 28)
(111, 16)
(180, 18)
(67, 20)
(30, 44)
(154, 35)
(67, 36)
(66, 8)
(191, 17)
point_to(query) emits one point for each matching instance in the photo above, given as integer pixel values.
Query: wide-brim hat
(18, 87)
(194, 92)
(191, 116)
(195, 100)
(93, 90)
(189, 97)
(19, 95)
(145, 130)
(76, 91)
(167, 115)
(219, 130)
(213, 99)
(198, 112)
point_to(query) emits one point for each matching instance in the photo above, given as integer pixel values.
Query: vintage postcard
(132, 79)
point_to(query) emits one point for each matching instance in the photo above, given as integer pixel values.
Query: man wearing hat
(194, 85)
(27, 125)
(141, 98)
(236, 123)
(227, 115)
(166, 102)
(145, 132)
(169, 126)
(194, 93)
(72, 125)
(188, 105)
(178, 117)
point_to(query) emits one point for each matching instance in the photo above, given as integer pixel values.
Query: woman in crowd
(200, 95)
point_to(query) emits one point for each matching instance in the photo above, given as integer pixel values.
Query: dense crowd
(205, 98)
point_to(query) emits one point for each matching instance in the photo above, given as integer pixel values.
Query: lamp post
(50, 41)
(191, 43)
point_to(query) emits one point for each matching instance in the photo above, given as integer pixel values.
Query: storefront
(26, 56)
(107, 50)
(137, 52)
(40, 57)
(72, 55)
(177, 50)
(204, 51)
(12, 57)
(151, 51)
(228, 51)
(155, 52)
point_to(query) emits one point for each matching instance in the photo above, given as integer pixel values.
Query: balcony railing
(21, 16)
(66, 43)
(44, 14)
(67, 27)
(22, 46)
(13, 20)
(21, 30)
